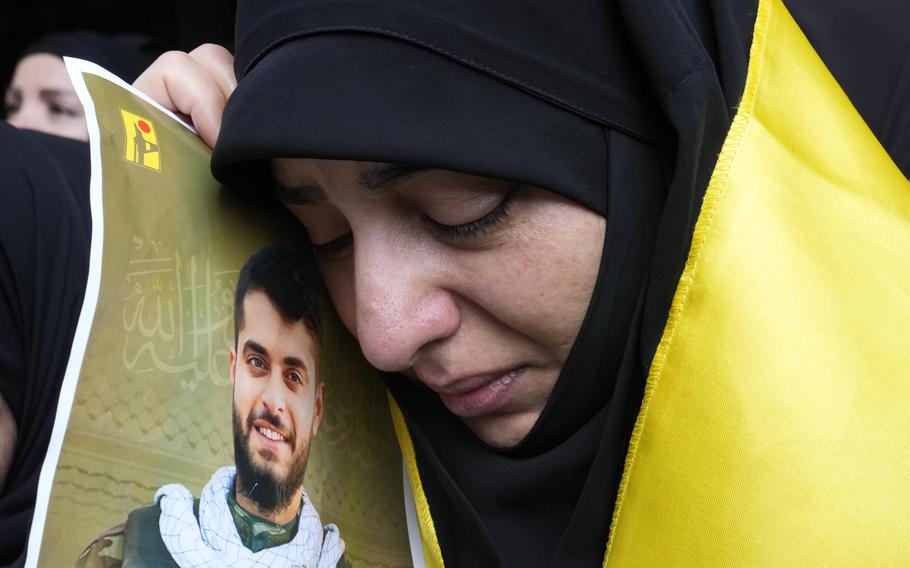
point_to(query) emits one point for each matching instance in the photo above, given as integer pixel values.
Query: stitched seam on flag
(425, 520)
(713, 192)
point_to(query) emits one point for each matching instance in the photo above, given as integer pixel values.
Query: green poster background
(153, 402)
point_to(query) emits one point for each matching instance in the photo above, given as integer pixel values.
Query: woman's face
(472, 286)
(41, 97)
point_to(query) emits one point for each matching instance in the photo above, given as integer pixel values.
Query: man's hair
(284, 277)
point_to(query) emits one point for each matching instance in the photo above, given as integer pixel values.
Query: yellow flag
(774, 425)
(141, 141)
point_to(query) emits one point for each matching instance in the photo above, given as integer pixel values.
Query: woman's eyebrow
(50, 93)
(299, 194)
(382, 177)
(379, 178)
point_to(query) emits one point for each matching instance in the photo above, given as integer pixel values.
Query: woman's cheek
(340, 283)
(554, 267)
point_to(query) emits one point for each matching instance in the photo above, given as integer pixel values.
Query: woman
(45, 232)
(498, 299)
(40, 96)
(502, 231)
(44, 243)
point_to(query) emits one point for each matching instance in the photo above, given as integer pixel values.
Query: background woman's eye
(62, 110)
(334, 249)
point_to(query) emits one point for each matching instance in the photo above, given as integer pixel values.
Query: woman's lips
(479, 395)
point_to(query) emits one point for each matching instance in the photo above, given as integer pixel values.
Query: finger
(219, 63)
(181, 84)
(151, 81)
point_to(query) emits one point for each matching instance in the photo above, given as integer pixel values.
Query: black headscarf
(125, 55)
(867, 48)
(621, 106)
(45, 230)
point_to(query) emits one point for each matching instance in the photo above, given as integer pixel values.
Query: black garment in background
(176, 24)
(866, 46)
(45, 230)
(126, 56)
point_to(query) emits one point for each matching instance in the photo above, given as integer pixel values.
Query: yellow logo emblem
(141, 141)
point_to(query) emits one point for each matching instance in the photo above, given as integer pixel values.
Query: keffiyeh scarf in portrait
(213, 541)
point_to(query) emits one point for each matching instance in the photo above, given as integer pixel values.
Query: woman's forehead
(302, 181)
(44, 70)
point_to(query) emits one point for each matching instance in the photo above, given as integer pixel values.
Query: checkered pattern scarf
(213, 541)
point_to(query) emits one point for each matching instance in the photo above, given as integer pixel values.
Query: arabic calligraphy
(177, 315)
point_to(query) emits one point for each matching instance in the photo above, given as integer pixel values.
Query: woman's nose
(402, 302)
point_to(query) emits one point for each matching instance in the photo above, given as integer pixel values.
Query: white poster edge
(77, 68)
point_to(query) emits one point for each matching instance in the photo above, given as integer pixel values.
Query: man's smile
(270, 434)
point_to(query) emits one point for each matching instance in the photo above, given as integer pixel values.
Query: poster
(150, 393)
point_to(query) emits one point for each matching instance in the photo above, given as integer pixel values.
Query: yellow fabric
(775, 428)
(432, 554)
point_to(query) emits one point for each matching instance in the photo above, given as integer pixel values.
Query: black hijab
(124, 55)
(621, 106)
(867, 48)
(45, 230)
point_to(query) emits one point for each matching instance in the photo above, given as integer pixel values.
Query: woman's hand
(195, 85)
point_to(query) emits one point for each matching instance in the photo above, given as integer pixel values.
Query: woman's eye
(335, 249)
(62, 110)
(11, 109)
(478, 227)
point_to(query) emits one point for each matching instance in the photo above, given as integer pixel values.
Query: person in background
(41, 97)
(45, 233)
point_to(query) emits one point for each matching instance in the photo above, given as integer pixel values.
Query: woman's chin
(502, 431)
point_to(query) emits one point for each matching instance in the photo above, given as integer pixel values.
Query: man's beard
(261, 484)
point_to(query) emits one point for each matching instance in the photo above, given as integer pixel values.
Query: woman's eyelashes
(475, 230)
(54, 109)
(62, 110)
(335, 248)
